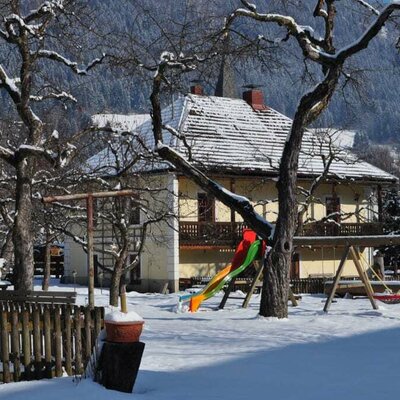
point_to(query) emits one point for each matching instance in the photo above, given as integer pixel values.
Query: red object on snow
(388, 298)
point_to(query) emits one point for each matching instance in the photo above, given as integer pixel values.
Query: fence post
(78, 341)
(37, 342)
(47, 341)
(68, 340)
(26, 342)
(15, 350)
(58, 339)
(5, 344)
(88, 339)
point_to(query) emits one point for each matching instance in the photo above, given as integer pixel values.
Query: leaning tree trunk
(276, 283)
(22, 233)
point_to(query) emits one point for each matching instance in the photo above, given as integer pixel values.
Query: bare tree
(31, 35)
(323, 53)
(122, 222)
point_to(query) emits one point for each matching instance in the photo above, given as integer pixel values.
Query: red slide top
(249, 237)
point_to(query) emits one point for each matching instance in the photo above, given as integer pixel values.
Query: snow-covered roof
(227, 135)
(120, 121)
(343, 138)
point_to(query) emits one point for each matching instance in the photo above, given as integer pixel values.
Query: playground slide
(223, 277)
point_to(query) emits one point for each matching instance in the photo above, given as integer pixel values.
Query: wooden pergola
(90, 228)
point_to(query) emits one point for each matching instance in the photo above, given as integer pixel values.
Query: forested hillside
(368, 102)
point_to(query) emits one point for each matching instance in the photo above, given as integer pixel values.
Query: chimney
(197, 89)
(255, 98)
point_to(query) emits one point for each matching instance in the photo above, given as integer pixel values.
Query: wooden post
(89, 204)
(15, 342)
(47, 262)
(78, 341)
(68, 340)
(337, 278)
(88, 339)
(363, 276)
(5, 352)
(97, 324)
(254, 284)
(26, 342)
(227, 293)
(58, 340)
(47, 341)
(37, 354)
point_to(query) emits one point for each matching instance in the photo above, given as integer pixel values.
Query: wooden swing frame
(351, 246)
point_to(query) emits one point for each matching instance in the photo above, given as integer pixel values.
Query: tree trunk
(116, 276)
(22, 234)
(122, 291)
(276, 283)
(115, 280)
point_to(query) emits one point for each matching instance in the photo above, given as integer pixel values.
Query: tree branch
(54, 56)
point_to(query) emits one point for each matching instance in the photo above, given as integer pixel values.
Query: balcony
(210, 234)
(228, 234)
(342, 229)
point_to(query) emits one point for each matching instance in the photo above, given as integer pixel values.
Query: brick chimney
(197, 89)
(255, 98)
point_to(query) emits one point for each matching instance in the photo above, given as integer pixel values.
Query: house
(239, 143)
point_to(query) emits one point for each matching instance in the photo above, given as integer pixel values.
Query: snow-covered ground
(349, 354)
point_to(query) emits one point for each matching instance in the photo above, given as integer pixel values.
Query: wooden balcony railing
(224, 234)
(229, 234)
(342, 229)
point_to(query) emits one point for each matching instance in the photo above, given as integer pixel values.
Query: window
(134, 214)
(136, 271)
(295, 266)
(333, 208)
(205, 207)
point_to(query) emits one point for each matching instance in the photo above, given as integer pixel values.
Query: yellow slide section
(195, 301)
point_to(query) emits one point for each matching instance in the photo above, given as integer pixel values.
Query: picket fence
(44, 340)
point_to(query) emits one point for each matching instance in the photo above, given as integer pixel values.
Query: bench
(39, 297)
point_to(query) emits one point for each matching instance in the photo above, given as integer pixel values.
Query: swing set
(351, 245)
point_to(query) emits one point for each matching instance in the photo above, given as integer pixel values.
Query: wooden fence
(40, 341)
(305, 285)
(308, 285)
(299, 286)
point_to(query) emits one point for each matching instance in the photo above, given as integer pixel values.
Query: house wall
(75, 260)
(159, 259)
(263, 194)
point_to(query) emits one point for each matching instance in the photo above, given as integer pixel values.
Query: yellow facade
(165, 261)
(262, 192)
